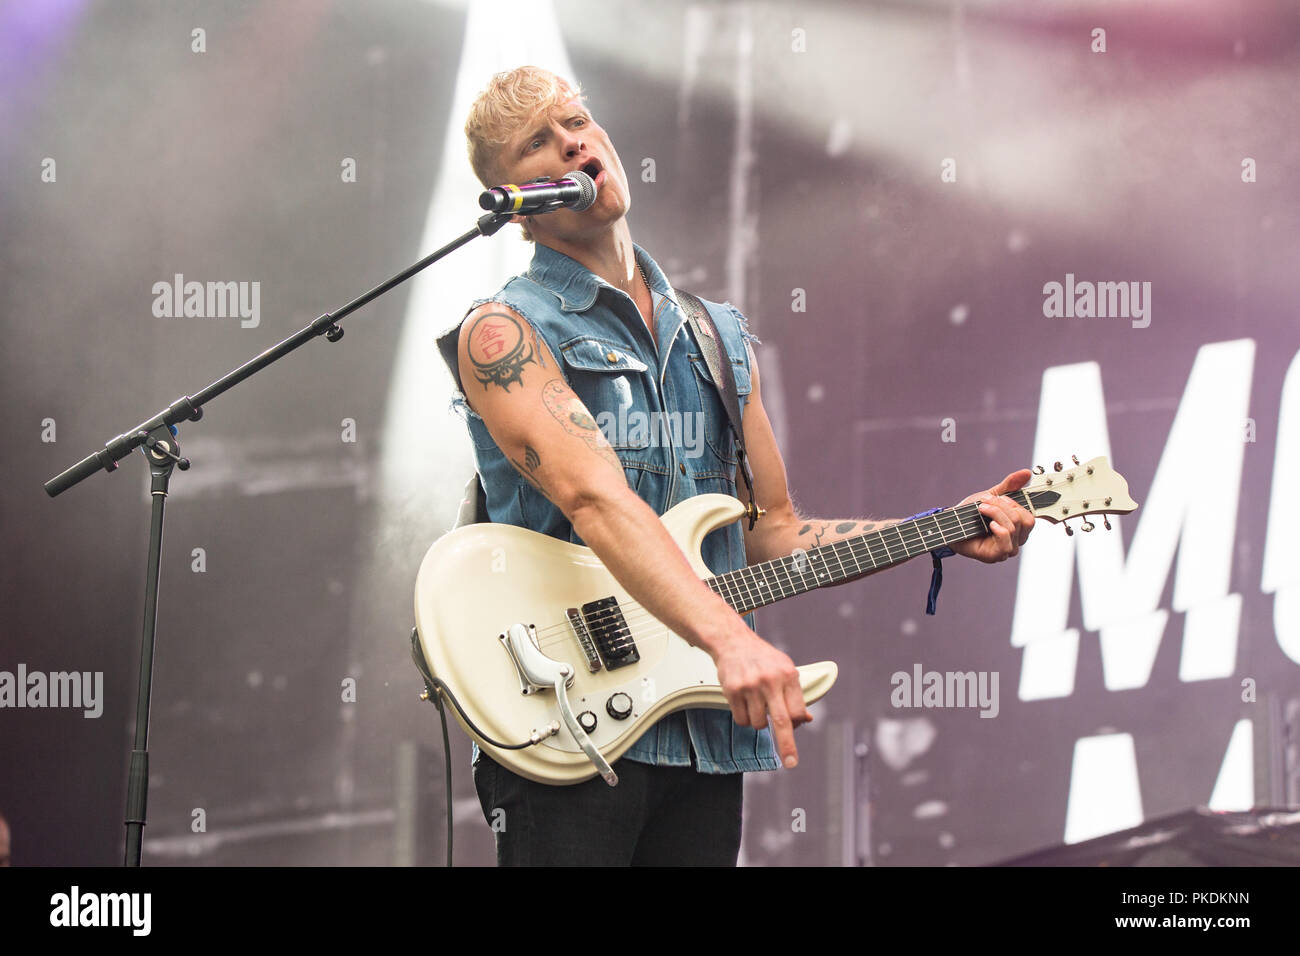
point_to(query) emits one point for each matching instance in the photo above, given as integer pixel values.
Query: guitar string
(563, 633)
(865, 557)
(855, 549)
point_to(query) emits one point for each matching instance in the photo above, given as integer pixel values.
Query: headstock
(1087, 489)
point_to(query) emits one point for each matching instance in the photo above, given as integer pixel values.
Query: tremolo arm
(537, 671)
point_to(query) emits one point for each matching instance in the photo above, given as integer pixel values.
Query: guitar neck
(757, 585)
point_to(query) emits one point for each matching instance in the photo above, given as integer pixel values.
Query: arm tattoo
(862, 527)
(528, 468)
(842, 528)
(817, 535)
(499, 348)
(569, 412)
(818, 530)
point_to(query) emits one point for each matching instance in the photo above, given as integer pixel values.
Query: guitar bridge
(584, 638)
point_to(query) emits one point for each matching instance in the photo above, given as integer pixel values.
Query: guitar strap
(473, 507)
(706, 334)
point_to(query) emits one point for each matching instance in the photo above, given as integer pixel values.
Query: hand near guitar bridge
(1009, 523)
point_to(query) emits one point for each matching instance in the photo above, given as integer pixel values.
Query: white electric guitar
(545, 652)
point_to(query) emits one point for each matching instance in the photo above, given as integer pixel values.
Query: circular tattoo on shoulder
(499, 349)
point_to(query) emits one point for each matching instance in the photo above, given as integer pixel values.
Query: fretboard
(759, 584)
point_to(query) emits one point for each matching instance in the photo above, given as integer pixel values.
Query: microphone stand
(158, 436)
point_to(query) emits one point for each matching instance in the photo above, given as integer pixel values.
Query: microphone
(575, 191)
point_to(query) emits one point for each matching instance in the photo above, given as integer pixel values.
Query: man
(593, 328)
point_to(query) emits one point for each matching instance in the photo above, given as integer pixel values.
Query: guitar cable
(434, 690)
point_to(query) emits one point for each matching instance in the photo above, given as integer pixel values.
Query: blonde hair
(509, 102)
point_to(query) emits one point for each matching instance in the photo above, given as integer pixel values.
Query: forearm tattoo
(570, 413)
(816, 530)
(816, 534)
(500, 347)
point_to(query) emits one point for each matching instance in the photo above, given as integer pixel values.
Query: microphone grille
(588, 187)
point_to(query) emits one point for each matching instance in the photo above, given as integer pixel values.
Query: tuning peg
(1038, 469)
(1056, 466)
(1068, 530)
(1074, 458)
(1087, 526)
(1105, 522)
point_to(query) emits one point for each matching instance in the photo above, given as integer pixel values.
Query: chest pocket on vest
(611, 383)
(717, 433)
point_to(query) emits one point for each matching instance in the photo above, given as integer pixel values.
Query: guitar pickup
(610, 633)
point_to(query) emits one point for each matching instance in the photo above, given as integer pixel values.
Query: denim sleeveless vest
(655, 401)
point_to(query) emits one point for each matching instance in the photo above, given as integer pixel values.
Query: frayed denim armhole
(743, 324)
(459, 406)
(747, 337)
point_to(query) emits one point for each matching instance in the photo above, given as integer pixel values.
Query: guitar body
(479, 580)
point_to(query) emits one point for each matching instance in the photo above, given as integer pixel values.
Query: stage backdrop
(972, 237)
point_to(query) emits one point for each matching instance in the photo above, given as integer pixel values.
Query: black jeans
(656, 816)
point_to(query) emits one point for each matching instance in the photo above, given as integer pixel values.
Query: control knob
(619, 706)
